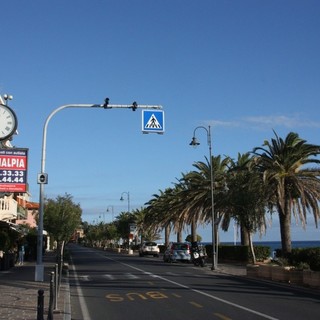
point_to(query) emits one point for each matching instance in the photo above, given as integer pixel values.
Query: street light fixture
(128, 198)
(194, 142)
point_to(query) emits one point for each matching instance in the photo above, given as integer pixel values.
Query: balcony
(8, 209)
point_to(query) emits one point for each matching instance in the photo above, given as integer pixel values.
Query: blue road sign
(153, 121)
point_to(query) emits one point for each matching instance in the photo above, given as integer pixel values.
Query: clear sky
(244, 67)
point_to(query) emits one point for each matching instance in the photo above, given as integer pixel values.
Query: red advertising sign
(13, 170)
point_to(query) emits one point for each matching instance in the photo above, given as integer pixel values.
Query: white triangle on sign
(153, 123)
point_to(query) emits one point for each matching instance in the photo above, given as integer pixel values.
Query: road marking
(221, 316)
(109, 276)
(196, 304)
(83, 305)
(131, 276)
(133, 296)
(83, 278)
(263, 315)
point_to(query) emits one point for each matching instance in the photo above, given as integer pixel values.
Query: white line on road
(84, 278)
(109, 276)
(131, 276)
(83, 305)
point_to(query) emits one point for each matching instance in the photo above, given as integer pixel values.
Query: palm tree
(293, 186)
(169, 210)
(188, 210)
(139, 215)
(159, 212)
(145, 230)
(122, 223)
(245, 201)
(197, 194)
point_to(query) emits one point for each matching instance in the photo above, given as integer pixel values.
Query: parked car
(149, 248)
(177, 251)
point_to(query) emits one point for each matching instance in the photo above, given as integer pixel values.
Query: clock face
(8, 122)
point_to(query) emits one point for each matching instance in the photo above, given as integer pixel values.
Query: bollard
(40, 305)
(56, 287)
(60, 270)
(50, 311)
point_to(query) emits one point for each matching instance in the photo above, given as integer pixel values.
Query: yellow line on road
(221, 316)
(196, 304)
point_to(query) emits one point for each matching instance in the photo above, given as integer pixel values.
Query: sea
(277, 244)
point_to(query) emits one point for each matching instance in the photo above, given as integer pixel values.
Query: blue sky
(244, 67)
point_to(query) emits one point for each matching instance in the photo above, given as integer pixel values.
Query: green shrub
(261, 252)
(314, 258)
(303, 257)
(300, 258)
(229, 252)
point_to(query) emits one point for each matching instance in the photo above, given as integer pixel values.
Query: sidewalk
(19, 292)
(235, 269)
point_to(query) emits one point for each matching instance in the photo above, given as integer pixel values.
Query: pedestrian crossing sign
(153, 121)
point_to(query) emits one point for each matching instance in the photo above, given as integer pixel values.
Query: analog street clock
(8, 122)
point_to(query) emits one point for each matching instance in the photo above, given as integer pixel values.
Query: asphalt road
(106, 285)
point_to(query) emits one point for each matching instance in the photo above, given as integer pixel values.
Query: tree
(293, 187)
(61, 217)
(123, 221)
(112, 232)
(192, 238)
(162, 212)
(146, 231)
(245, 200)
(197, 193)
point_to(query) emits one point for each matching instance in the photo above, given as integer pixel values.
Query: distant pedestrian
(21, 255)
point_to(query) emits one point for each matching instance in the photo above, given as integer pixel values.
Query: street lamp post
(130, 251)
(128, 198)
(102, 218)
(112, 211)
(194, 142)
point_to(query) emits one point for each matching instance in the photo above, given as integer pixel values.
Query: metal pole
(112, 212)
(39, 271)
(56, 286)
(128, 201)
(195, 143)
(128, 198)
(40, 305)
(39, 265)
(51, 297)
(214, 260)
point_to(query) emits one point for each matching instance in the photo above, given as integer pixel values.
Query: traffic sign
(153, 121)
(42, 178)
